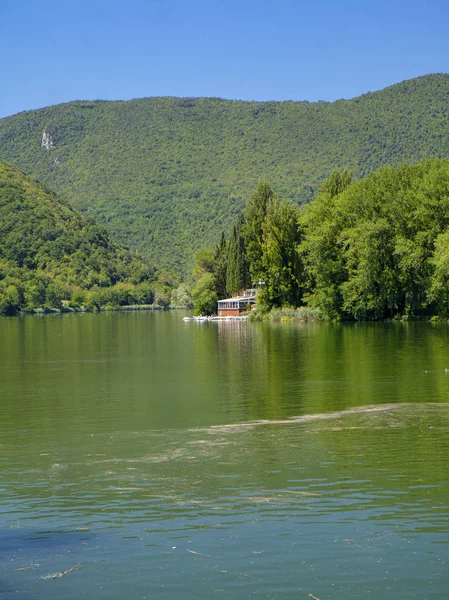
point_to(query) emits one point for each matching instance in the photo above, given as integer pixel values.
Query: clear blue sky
(59, 50)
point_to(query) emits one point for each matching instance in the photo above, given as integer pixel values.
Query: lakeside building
(238, 305)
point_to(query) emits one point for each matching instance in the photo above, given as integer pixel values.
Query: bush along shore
(302, 314)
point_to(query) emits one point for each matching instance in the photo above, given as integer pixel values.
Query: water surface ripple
(145, 457)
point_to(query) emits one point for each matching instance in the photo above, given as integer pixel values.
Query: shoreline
(71, 310)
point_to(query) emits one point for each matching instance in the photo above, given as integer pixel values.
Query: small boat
(228, 318)
(200, 319)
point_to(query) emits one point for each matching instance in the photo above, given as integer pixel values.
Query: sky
(55, 51)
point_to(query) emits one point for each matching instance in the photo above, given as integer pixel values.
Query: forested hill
(48, 252)
(167, 175)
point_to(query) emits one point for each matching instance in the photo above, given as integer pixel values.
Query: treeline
(373, 249)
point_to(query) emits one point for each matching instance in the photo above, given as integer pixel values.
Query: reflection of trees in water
(141, 364)
(300, 369)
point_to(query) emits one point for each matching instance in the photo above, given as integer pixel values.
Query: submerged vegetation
(366, 250)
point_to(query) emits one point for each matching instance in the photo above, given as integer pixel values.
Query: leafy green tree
(371, 290)
(204, 262)
(337, 182)
(281, 264)
(79, 297)
(34, 293)
(256, 210)
(204, 295)
(162, 297)
(54, 294)
(321, 253)
(439, 286)
(144, 293)
(11, 299)
(181, 297)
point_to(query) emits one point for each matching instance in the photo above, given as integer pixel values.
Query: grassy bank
(303, 314)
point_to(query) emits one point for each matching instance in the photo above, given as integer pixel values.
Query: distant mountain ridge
(166, 175)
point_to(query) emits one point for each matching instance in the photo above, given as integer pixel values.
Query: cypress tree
(237, 273)
(220, 266)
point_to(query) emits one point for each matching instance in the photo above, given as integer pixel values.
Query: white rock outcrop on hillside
(47, 141)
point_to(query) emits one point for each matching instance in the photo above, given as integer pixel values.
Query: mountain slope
(45, 246)
(166, 175)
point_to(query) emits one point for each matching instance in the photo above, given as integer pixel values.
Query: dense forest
(368, 249)
(166, 175)
(49, 254)
(372, 249)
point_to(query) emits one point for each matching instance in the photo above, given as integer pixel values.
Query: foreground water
(144, 457)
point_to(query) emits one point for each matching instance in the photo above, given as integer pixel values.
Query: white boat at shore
(202, 319)
(226, 319)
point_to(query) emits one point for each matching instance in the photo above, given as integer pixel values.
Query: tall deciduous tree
(281, 262)
(204, 263)
(337, 182)
(324, 267)
(439, 289)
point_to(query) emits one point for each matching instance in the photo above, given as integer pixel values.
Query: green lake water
(173, 460)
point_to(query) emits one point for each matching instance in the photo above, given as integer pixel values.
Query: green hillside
(48, 252)
(166, 175)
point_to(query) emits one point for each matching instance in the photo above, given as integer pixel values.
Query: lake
(145, 457)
